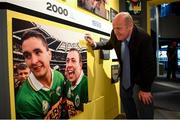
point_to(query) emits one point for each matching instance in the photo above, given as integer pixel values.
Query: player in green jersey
(76, 84)
(40, 95)
(23, 72)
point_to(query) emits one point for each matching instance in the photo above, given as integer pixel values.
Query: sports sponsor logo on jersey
(77, 100)
(45, 106)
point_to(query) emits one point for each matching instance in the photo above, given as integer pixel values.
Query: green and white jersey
(78, 94)
(35, 101)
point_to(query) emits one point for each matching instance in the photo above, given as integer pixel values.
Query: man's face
(37, 57)
(23, 74)
(73, 66)
(121, 29)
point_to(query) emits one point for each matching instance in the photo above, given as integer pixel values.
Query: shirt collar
(35, 84)
(78, 81)
(128, 39)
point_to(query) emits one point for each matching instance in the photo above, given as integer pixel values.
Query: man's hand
(145, 97)
(89, 39)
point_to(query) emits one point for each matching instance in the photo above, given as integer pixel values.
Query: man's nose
(23, 75)
(70, 63)
(34, 59)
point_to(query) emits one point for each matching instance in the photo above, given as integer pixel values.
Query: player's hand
(89, 39)
(145, 97)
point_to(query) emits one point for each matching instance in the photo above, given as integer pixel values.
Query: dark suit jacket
(142, 59)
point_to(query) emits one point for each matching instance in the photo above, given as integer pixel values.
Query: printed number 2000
(55, 8)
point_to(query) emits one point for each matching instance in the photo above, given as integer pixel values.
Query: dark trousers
(133, 107)
(171, 69)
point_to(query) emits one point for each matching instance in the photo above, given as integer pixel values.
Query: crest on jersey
(69, 93)
(77, 100)
(58, 90)
(45, 106)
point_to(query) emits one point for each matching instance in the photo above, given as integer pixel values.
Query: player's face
(23, 74)
(37, 57)
(73, 66)
(121, 29)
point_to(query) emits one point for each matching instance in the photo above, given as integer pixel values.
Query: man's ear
(130, 26)
(50, 54)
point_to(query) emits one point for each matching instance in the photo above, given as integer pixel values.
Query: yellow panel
(92, 110)
(114, 4)
(10, 66)
(12, 14)
(104, 96)
(111, 95)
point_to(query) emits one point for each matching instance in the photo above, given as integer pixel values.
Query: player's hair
(80, 56)
(33, 33)
(21, 66)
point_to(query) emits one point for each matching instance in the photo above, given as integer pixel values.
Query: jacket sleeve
(106, 45)
(148, 69)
